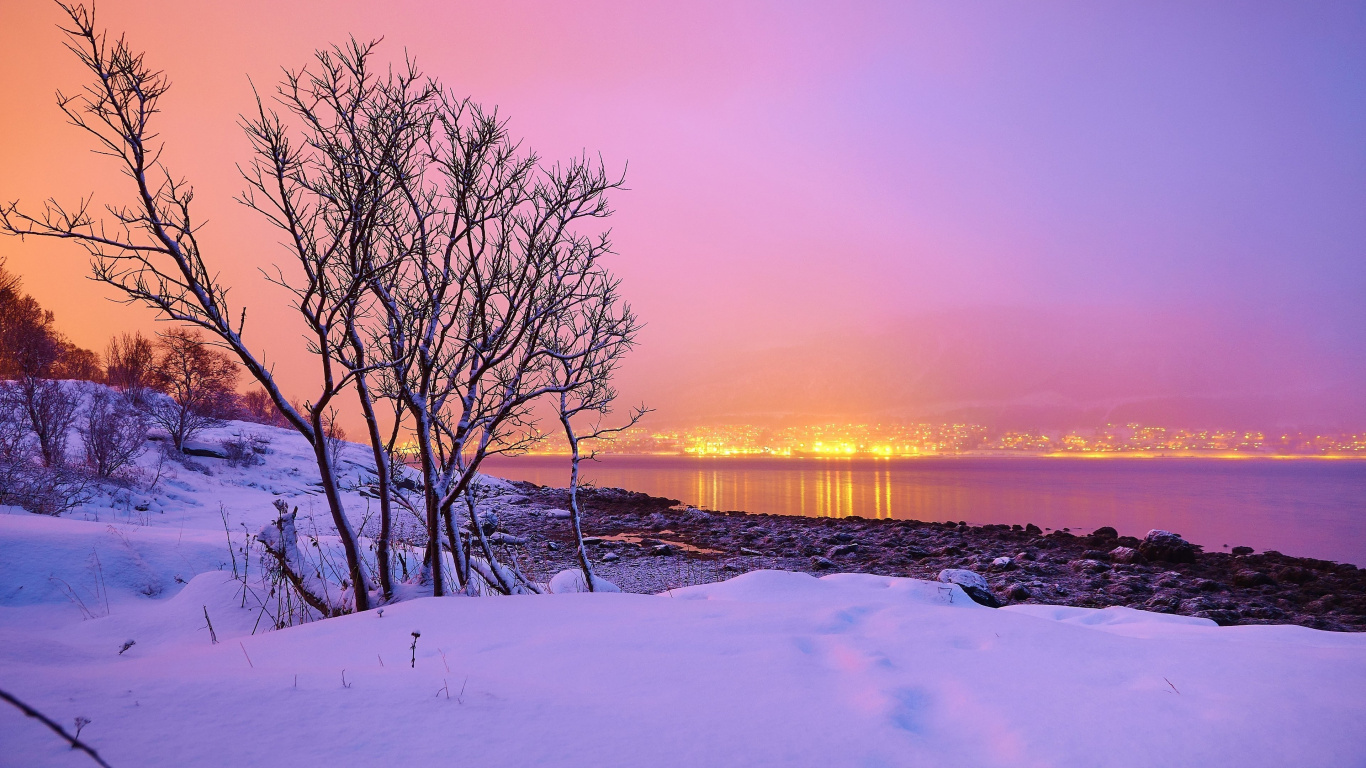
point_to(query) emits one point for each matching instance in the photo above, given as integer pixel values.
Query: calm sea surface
(1306, 508)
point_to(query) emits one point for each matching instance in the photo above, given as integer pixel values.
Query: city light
(918, 439)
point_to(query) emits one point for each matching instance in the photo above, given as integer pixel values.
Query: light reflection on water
(1305, 508)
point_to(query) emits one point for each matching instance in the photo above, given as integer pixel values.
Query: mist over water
(1304, 508)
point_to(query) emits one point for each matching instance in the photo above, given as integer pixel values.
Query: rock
(552, 546)
(844, 538)
(662, 550)
(571, 580)
(1127, 555)
(1088, 566)
(1018, 592)
(1096, 554)
(1242, 550)
(558, 514)
(914, 553)
(1222, 616)
(1169, 579)
(821, 563)
(972, 583)
(488, 521)
(1295, 574)
(1167, 547)
(204, 451)
(1208, 585)
(1002, 564)
(1325, 603)
(1163, 602)
(1034, 529)
(750, 552)
(841, 550)
(610, 557)
(1194, 605)
(1262, 612)
(1105, 532)
(1250, 578)
(507, 538)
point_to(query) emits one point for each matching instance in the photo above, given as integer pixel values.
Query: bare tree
(435, 262)
(51, 410)
(9, 281)
(114, 433)
(196, 379)
(29, 343)
(24, 480)
(17, 453)
(76, 363)
(130, 365)
(257, 406)
(333, 191)
(589, 346)
(493, 259)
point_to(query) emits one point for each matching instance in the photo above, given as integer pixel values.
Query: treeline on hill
(176, 383)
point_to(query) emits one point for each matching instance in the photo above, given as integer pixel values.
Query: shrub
(257, 406)
(246, 450)
(46, 409)
(114, 434)
(24, 481)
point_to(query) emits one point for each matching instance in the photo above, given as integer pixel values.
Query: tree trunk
(334, 503)
(386, 583)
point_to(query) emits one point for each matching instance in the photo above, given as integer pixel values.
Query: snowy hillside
(768, 668)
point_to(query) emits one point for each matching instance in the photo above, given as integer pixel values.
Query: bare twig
(45, 720)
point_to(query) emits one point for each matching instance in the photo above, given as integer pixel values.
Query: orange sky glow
(1036, 215)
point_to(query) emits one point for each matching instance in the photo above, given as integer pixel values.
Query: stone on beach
(971, 582)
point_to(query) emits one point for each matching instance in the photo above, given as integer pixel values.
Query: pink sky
(1041, 211)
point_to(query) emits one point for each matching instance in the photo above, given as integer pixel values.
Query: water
(1305, 508)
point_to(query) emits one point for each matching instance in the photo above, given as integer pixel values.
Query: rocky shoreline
(650, 544)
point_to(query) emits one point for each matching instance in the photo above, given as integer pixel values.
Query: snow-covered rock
(1165, 546)
(571, 580)
(973, 583)
(1127, 555)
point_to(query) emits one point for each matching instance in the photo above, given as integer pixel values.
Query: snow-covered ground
(769, 668)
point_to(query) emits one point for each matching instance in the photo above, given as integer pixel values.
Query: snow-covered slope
(769, 668)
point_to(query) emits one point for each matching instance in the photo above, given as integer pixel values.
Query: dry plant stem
(59, 730)
(213, 637)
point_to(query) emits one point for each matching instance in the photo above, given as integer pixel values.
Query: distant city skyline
(910, 439)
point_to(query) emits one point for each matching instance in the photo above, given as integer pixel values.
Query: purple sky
(1039, 213)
